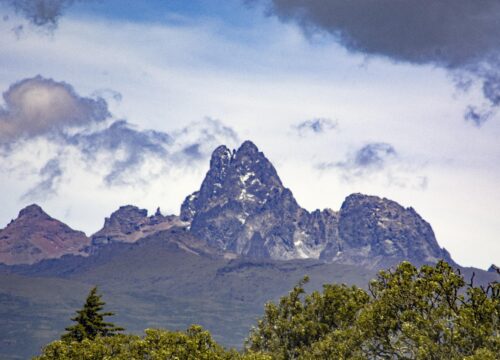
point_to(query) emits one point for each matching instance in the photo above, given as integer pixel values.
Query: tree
(409, 313)
(193, 344)
(90, 321)
(429, 313)
(289, 329)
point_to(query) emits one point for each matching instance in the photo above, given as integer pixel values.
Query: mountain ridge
(242, 209)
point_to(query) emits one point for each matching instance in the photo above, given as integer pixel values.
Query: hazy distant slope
(153, 283)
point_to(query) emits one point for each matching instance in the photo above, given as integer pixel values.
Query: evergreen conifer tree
(90, 320)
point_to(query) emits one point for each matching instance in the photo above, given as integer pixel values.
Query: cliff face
(34, 236)
(376, 230)
(243, 207)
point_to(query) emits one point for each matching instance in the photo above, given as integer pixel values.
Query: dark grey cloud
(41, 13)
(370, 158)
(50, 173)
(38, 106)
(315, 126)
(459, 35)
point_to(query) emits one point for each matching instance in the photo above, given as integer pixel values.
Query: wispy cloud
(83, 128)
(377, 160)
(315, 126)
(459, 35)
(126, 146)
(50, 173)
(369, 158)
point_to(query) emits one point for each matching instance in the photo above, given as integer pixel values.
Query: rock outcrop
(374, 230)
(129, 224)
(34, 236)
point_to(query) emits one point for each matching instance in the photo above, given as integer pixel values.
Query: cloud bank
(82, 131)
(458, 35)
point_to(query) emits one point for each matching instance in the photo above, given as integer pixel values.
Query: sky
(112, 102)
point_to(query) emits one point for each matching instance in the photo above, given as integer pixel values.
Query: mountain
(240, 240)
(129, 224)
(378, 232)
(34, 236)
(243, 207)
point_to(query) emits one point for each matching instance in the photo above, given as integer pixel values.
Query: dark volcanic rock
(494, 269)
(35, 236)
(129, 224)
(243, 207)
(375, 230)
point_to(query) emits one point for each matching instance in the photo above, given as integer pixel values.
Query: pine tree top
(90, 320)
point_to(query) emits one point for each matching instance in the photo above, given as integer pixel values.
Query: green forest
(430, 312)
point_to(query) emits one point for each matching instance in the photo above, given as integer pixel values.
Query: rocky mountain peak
(247, 148)
(243, 207)
(130, 223)
(378, 229)
(127, 215)
(244, 176)
(34, 236)
(33, 210)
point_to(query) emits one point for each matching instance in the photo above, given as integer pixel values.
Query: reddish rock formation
(35, 236)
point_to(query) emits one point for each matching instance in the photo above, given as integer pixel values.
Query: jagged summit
(130, 223)
(494, 269)
(244, 176)
(32, 210)
(373, 229)
(34, 236)
(243, 207)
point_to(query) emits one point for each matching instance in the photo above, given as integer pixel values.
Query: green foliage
(193, 344)
(288, 329)
(426, 313)
(90, 321)
(408, 313)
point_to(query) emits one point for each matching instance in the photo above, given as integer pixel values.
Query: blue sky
(338, 107)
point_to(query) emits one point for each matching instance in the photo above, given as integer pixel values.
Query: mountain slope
(164, 280)
(34, 236)
(158, 281)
